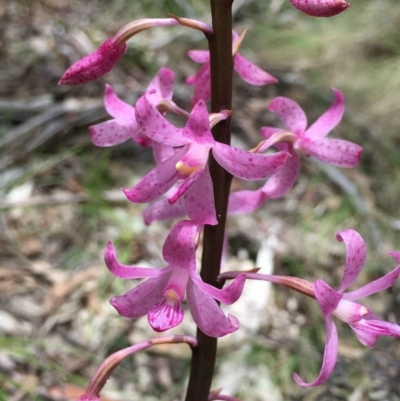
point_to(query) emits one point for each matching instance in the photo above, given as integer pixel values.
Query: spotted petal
(356, 254)
(119, 129)
(199, 200)
(158, 181)
(337, 152)
(248, 165)
(291, 114)
(154, 124)
(197, 129)
(163, 84)
(252, 74)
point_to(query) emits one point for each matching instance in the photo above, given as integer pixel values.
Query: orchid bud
(94, 65)
(321, 8)
(98, 63)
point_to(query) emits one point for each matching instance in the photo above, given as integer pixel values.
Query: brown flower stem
(220, 45)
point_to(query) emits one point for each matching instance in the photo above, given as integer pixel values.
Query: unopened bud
(321, 8)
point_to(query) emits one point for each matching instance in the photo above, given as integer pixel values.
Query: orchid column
(221, 61)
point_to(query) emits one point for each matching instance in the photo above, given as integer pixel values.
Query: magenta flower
(188, 165)
(365, 324)
(124, 125)
(161, 295)
(248, 71)
(321, 8)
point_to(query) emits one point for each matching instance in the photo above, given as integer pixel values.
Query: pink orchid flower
(188, 165)
(248, 71)
(321, 8)
(124, 125)
(298, 139)
(365, 324)
(161, 295)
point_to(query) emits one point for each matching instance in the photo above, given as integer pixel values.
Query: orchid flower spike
(103, 60)
(188, 165)
(365, 324)
(248, 71)
(321, 8)
(162, 294)
(124, 125)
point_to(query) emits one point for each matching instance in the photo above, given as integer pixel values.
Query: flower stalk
(221, 61)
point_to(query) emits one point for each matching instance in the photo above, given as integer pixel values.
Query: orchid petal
(154, 124)
(248, 165)
(380, 284)
(227, 295)
(252, 74)
(180, 246)
(327, 297)
(356, 254)
(199, 56)
(162, 152)
(202, 84)
(207, 314)
(161, 210)
(283, 180)
(137, 302)
(243, 202)
(199, 200)
(378, 327)
(157, 181)
(183, 186)
(197, 129)
(165, 315)
(125, 271)
(113, 132)
(365, 338)
(329, 359)
(329, 120)
(163, 84)
(116, 107)
(337, 152)
(291, 114)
